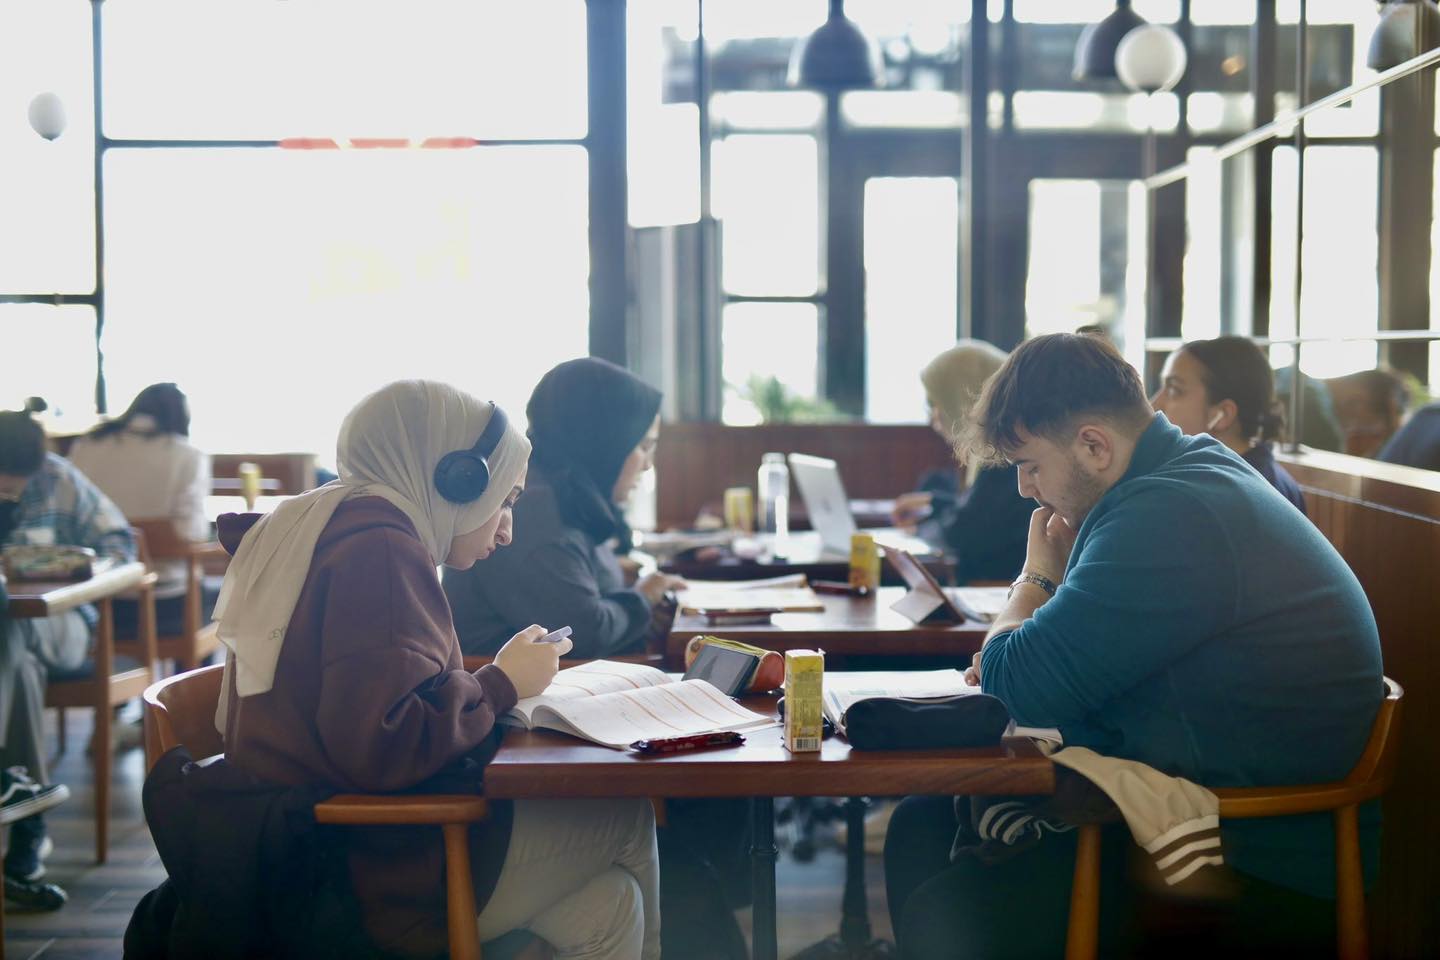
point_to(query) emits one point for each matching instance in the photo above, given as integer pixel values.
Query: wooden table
(804, 554)
(45, 598)
(539, 763)
(849, 626)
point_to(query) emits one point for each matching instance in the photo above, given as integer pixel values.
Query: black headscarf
(586, 416)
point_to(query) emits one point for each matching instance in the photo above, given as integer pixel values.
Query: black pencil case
(891, 723)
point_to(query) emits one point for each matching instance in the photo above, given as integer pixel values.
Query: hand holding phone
(555, 636)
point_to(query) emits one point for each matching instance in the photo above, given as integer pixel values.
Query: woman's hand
(629, 569)
(911, 508)
(654, 586)
(530, 665)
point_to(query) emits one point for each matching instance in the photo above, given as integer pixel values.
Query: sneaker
(35, 896)
(21, 796)
(30, 844)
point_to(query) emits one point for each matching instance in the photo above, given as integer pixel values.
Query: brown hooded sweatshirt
(370, 696)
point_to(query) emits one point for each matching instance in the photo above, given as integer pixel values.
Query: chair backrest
(180, 711)
(1369, 778)
(162, 540)
(1376, 765)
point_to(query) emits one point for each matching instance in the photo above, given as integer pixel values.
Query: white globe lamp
(47, 115)
(1150, 59)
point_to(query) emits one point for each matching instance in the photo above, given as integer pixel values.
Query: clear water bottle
(774, 490)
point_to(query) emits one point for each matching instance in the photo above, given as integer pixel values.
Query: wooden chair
(1369, 779)
(180, 710)
(196, 639)
(102, 683)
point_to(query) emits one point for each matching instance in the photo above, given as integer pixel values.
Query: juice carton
(804, 687)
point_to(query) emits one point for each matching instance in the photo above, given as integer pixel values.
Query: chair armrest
(1246, 802)
(358, 809)
(209, 550)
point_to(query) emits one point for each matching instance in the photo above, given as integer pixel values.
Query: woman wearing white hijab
(982, 522)
(344, 670)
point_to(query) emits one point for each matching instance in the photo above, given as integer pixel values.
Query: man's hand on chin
(1048, 551)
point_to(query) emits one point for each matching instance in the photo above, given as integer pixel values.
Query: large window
(302, 202)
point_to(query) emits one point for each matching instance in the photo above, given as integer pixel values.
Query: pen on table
(555, 636)
(697, 742)
(839, 587)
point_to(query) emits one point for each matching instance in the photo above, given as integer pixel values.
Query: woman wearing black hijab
(593, 427)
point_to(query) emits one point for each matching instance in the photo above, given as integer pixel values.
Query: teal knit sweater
(1206, 628)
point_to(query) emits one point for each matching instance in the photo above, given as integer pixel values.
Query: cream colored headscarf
(953, 381)
(389, 445)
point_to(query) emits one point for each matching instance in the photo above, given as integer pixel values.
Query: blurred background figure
(976, 514)
(144, 462)
(1225, 387)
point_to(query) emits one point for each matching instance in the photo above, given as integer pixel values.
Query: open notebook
(615, 704)
(791, 594)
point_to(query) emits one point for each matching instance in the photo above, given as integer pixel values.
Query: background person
(44, 500)
(1225, 387)
(594, 427)
(144, 462)
(977, 515)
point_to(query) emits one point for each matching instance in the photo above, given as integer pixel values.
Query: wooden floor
(92, 924)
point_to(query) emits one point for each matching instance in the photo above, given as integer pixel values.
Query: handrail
(1166, 344)
(1282, 124)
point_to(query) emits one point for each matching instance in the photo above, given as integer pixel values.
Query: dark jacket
(554, 574)
(250, 872)
(1262, 458)
(984, 528)
(1417, 444)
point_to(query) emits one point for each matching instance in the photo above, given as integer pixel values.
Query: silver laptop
(829, 508)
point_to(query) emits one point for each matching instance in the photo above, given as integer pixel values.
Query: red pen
(697, 742)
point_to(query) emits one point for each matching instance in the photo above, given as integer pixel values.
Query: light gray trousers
(29, 649)
(583, 875)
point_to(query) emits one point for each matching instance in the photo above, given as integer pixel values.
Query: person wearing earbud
(343, 671)
(1225, 387)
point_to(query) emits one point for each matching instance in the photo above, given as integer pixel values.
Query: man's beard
(1082, 492)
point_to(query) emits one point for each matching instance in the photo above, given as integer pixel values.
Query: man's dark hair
(1047, 386)
(1235, 369)
(22, 443)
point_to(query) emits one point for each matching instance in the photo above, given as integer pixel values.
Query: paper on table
(672, 710)
(979, 603)
(790, 593)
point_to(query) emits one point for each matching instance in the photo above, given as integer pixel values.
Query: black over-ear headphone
(461, 476)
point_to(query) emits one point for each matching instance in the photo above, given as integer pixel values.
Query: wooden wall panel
(695, 462)
(1385, 522)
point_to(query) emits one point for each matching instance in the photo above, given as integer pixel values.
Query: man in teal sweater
(1173, 609)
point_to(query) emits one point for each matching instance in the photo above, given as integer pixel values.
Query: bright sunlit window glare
(279, 286)
(1340, 294)
(767, 197)
(764, 341)
(178, 69)
(911, 261)
(47, 196)
(58, 362)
